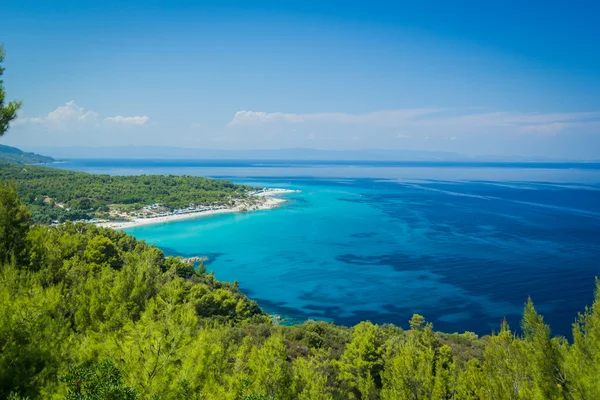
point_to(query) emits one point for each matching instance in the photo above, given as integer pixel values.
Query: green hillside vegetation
(14, 155)
(59, 195)
(91, 313)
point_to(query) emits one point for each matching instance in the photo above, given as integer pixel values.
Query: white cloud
(62, 116)
(137, 120)
(479, 130)
(428, 121)
(72, 116)
(379, 117)
(71, 111)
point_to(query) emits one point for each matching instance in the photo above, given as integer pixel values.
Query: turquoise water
(462, 246)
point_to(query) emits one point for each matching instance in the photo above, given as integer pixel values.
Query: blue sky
(469, 77)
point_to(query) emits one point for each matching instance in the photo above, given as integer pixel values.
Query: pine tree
(14, 225)
(583, 359)
(8, 112)
(543, 353)
(361, 362)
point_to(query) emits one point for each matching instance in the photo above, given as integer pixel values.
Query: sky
(471, 77)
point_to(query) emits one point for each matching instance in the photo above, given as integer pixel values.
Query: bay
(463, 244)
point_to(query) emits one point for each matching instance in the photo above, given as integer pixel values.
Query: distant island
(14, 155)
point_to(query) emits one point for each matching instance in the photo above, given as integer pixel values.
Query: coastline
(268, 202)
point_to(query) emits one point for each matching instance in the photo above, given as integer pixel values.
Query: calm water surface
(462, 244)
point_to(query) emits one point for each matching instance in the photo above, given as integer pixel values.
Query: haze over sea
(463, 244)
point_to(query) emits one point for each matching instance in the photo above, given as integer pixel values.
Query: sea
(463, 244)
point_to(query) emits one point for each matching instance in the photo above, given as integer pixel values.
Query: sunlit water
(464, 245)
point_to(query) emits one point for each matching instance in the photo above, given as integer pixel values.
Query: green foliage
(263, 370)
(8, 112)
(33, 333)
(97, 382)
(100, 250)
(546, 358)
(410, 363)
(361, 362)
(14, 225)
(313, 377)
(582, 366)
(92, 313)
(83, 196)
(14, 155)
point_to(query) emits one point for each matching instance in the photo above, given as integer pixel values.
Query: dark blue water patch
(540, 253)
(325, 310)
(398, 261)
(354, 200)
(363, 235)
(212, 257)
(445, 318)
(467, 214)
(501, 281)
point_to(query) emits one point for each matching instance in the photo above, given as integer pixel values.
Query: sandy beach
(274, 192)
(268, 202)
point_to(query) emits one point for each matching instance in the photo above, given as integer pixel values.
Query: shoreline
(268, 202)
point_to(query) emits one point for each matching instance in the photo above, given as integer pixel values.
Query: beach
(267, 192)
(267, 202)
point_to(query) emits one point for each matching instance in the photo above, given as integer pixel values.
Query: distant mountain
(295, 154)
(14, 155)
(150, 152)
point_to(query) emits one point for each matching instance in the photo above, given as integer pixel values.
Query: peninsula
(18, 156)
(55, 196)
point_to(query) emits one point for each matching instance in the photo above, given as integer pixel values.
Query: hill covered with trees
(14, 155)
(59, 195)
(92, 313)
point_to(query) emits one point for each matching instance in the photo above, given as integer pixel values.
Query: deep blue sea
(463, 244)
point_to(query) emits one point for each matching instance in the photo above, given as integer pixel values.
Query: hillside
(92, 313)
(14, 155)
(298, 154)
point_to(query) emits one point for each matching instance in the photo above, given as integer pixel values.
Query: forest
(14, 155)
(59, 195)
(93, 313)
